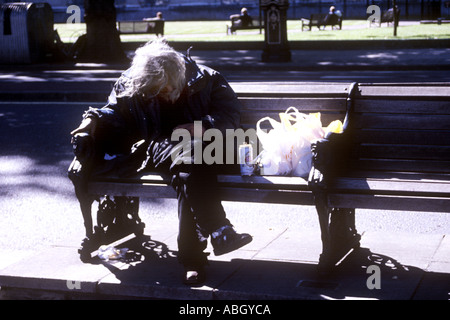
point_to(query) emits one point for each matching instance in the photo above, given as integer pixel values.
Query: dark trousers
(200, 211)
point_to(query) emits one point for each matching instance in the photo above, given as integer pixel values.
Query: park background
(180, 10)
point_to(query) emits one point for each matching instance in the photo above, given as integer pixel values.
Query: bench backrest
(388, 16)
(319, 18)
(268, 100)
(399, 127)
(132, 26)
(402, 127)
(140, 26)
(237, 23)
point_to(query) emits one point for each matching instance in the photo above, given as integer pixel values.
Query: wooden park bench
(235, 24)
(318, 20)
(394, 154)
(141, 27)
(388, 17)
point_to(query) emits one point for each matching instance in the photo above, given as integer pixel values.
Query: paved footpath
(279, 264)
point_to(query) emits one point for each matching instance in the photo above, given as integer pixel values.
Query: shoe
(194, 276)
(225, 240)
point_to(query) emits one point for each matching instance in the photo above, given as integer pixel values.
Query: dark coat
(126, 120)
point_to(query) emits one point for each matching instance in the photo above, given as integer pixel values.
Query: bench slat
(392, 187)
(268, 182)
(431, 91)
(423, 166)
(151, 178)
(145, 190)
(386, 151)
(303, 104)
(387, 202)
(267, 196)
(250, 89)
(407, 137)
(382, 121)
(248, 194)
(408, 183)
(407, 176)
(403, 106)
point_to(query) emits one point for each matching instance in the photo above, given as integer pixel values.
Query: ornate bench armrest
(327, 159)
(331, 152)
(319, 149)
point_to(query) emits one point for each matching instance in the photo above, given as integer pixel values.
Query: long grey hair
(155, 66)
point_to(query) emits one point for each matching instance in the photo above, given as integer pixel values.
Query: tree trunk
(102, 41)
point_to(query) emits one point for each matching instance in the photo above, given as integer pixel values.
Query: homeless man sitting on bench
(162, 91)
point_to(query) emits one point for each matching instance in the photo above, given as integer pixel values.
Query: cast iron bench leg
(338, 232)
(337, 225)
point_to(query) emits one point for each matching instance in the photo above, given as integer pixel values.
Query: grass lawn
(216, 31)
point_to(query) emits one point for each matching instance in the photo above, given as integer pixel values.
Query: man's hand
(195, 130)
(87, 125)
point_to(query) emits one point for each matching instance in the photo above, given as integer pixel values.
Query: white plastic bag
(274, 159)
(306, 128)
(287, 147)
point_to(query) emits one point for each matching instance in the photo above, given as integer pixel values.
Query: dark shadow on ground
(150, 266)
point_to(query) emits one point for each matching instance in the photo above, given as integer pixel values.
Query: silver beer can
(246, 159)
